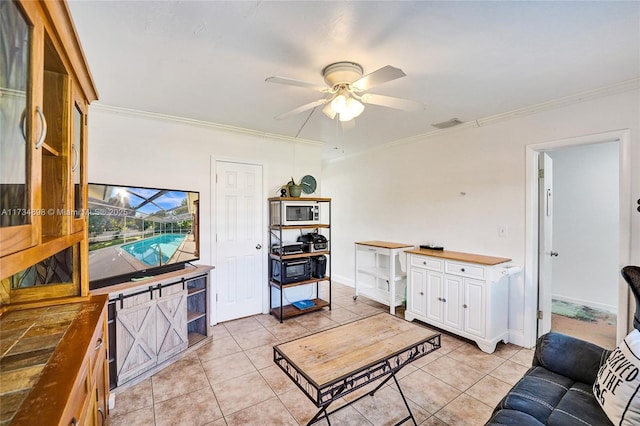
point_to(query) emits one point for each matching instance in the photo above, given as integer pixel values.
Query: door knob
(554, 253)
(258, 246)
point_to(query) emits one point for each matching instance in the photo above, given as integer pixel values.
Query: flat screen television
(136, 232)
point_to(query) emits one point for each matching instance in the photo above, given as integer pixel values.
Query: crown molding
(199, 123)
(601, 92)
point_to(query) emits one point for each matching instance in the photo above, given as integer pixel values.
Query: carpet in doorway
(582, 313)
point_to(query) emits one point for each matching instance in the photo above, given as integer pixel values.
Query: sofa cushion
(568, 356)
(617, 387)
(512, 417)
(537, 393)
(578, 407)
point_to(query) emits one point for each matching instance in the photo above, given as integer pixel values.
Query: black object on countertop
(423, 246)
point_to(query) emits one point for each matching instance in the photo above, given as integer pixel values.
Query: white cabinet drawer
(372, 249)
(427, 263)
(464, 269)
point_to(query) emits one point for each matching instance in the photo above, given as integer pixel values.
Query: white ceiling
(208, 60)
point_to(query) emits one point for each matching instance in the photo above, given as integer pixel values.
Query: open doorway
(537, 287)
(585, 242)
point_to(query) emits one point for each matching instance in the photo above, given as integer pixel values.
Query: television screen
(136, 232)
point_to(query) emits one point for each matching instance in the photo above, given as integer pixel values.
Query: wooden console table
(333, 363)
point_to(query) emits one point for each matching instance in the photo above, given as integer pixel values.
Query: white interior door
(545, 240)
(239, 236)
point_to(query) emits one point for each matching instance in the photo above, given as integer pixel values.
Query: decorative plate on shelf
(309, 184)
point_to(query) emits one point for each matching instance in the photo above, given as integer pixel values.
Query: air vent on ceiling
(446, 124)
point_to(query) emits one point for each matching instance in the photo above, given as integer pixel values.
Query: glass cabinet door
(16, 211)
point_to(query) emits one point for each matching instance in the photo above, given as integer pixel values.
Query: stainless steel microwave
(291, 213)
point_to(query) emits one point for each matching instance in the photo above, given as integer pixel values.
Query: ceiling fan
(346, 91)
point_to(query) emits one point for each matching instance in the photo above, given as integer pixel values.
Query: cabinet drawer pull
(421, 293)
(43, 134)
(461, 269)
(465, 306)
(99, 344)
(424, 262)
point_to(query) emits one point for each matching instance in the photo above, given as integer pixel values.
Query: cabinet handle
(43, 135)
(424, 262)
(23, 121)
(421, 293)
(465, 306)
(462, 269)
(444, 300)
(74, 421)
(102, 416)
(99, 345)
(76, 158)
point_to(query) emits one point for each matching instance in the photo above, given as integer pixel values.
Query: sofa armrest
(569, 356)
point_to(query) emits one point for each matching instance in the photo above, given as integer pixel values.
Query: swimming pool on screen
(156, 250)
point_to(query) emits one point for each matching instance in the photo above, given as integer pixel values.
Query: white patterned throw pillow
(617, 387)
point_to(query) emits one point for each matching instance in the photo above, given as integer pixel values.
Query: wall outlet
(502, 231)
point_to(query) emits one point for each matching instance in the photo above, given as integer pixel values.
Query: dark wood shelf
(319, 199)
(289, 311)
(276, 284)
(284, 227)
(298, 255)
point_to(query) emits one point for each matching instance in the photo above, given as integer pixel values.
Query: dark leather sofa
(557, 389)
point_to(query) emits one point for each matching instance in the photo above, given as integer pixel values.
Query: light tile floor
(233, 380)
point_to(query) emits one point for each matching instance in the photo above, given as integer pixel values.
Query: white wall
(137, 149)
(412, 193)
(585, 225)
(409, 193)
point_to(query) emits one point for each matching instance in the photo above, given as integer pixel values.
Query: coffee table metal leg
(317, 417)
(323, 414)
(406, 404)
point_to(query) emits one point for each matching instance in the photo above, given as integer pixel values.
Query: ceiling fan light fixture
(346, 116)
(354, 106)
(344, 104)
(329, 111)
(339, 103)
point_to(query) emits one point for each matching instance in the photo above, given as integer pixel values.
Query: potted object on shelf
(295, 190)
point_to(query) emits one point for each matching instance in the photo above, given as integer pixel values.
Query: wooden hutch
(53, 340)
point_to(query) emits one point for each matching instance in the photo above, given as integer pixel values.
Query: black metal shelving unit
(276, 239)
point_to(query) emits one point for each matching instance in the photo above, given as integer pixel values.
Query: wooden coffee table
(333, 363)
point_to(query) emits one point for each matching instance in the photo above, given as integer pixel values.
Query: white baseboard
(588, 303)
(339, 279)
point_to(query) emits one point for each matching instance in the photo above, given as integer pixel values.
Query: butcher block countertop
(384, 244)
(462, 257)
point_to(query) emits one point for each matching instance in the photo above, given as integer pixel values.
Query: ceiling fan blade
(392, 102)
(301, 108)
(382, 75)
(299, 83)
